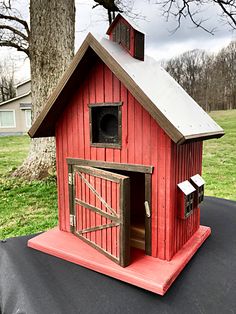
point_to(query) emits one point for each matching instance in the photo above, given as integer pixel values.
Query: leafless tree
(193, 9)
(14, 30)
(7, 88)
(111, 6)
(49, 43)
(210, 79)
(119, 6)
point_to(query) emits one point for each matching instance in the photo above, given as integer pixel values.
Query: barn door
(101, 211)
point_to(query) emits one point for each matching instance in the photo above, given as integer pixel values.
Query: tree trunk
(51, 49)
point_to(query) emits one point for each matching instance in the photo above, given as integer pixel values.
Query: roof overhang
(44, 125)
(15, 98)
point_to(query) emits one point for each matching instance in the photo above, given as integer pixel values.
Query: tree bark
(51, 48)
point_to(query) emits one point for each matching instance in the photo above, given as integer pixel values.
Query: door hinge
(72, 220)
(70, 178)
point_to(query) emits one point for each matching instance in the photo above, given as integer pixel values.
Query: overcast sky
(161, 42)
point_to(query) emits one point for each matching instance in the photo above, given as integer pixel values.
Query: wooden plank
(80, 131)
(83, 210)
(71, 196)
(169, 200)
(102, 227)
(148, 220)
(86, 119)
(154, 161)
(98, 217)
(116, 98)
(109, 231)
(93, 213)
(96, 172)
(138, 143)
(92, 99)
(146, 137)
(131, 129)
(88, 212)
(114, 232)
(110, 165)
(65, 176)
(161, 198)
(106, 209)
(109, 100)
(124, 98)
(60, 181)
(125, 225)
(99, 74)
(148, 273)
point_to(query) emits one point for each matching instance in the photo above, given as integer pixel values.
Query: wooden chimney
(124, 32)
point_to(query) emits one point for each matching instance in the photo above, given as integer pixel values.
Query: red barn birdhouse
(129, 159)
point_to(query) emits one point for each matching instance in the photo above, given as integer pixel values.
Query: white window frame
(14, 118)
(28, 126)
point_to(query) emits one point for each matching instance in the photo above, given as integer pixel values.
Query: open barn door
(101, 213)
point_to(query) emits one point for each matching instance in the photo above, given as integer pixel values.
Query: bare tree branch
(16, 19)
(7, 43)
(229, 13)
(14, 31)
(191, 9)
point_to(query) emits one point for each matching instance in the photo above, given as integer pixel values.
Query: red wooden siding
(143, 142)
(186, 161)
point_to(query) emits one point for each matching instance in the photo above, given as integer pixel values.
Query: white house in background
(15, 113)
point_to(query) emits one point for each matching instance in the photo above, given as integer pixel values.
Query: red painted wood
(143, 142)
(138, 126)
(116, 97)
(154, 159)
(169, 205)
(144, 271)
(100, 97)
(99, 218)
(132, 31)
(109, 230)
(124, 98)
(93, 203)
(186, 162)
(146, 133)
(108, 97)
(161, 215)
(92, 100)
(131, 129)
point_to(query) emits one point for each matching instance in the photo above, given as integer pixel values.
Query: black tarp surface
(33, 282)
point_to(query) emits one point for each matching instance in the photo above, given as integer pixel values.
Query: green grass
(25, 207)
(219, 158)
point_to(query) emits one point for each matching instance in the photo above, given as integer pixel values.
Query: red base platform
(144, 271)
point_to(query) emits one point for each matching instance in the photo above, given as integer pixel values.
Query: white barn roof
(167, 102)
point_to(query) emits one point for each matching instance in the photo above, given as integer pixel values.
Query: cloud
(160, 42)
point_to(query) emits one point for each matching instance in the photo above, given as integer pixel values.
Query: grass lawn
(27, 208)
(219, 158)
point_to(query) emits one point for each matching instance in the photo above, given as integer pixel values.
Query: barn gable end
(173, 109)
(143, 143)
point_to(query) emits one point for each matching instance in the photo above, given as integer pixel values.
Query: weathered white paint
(186, 187)
(198, 180)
